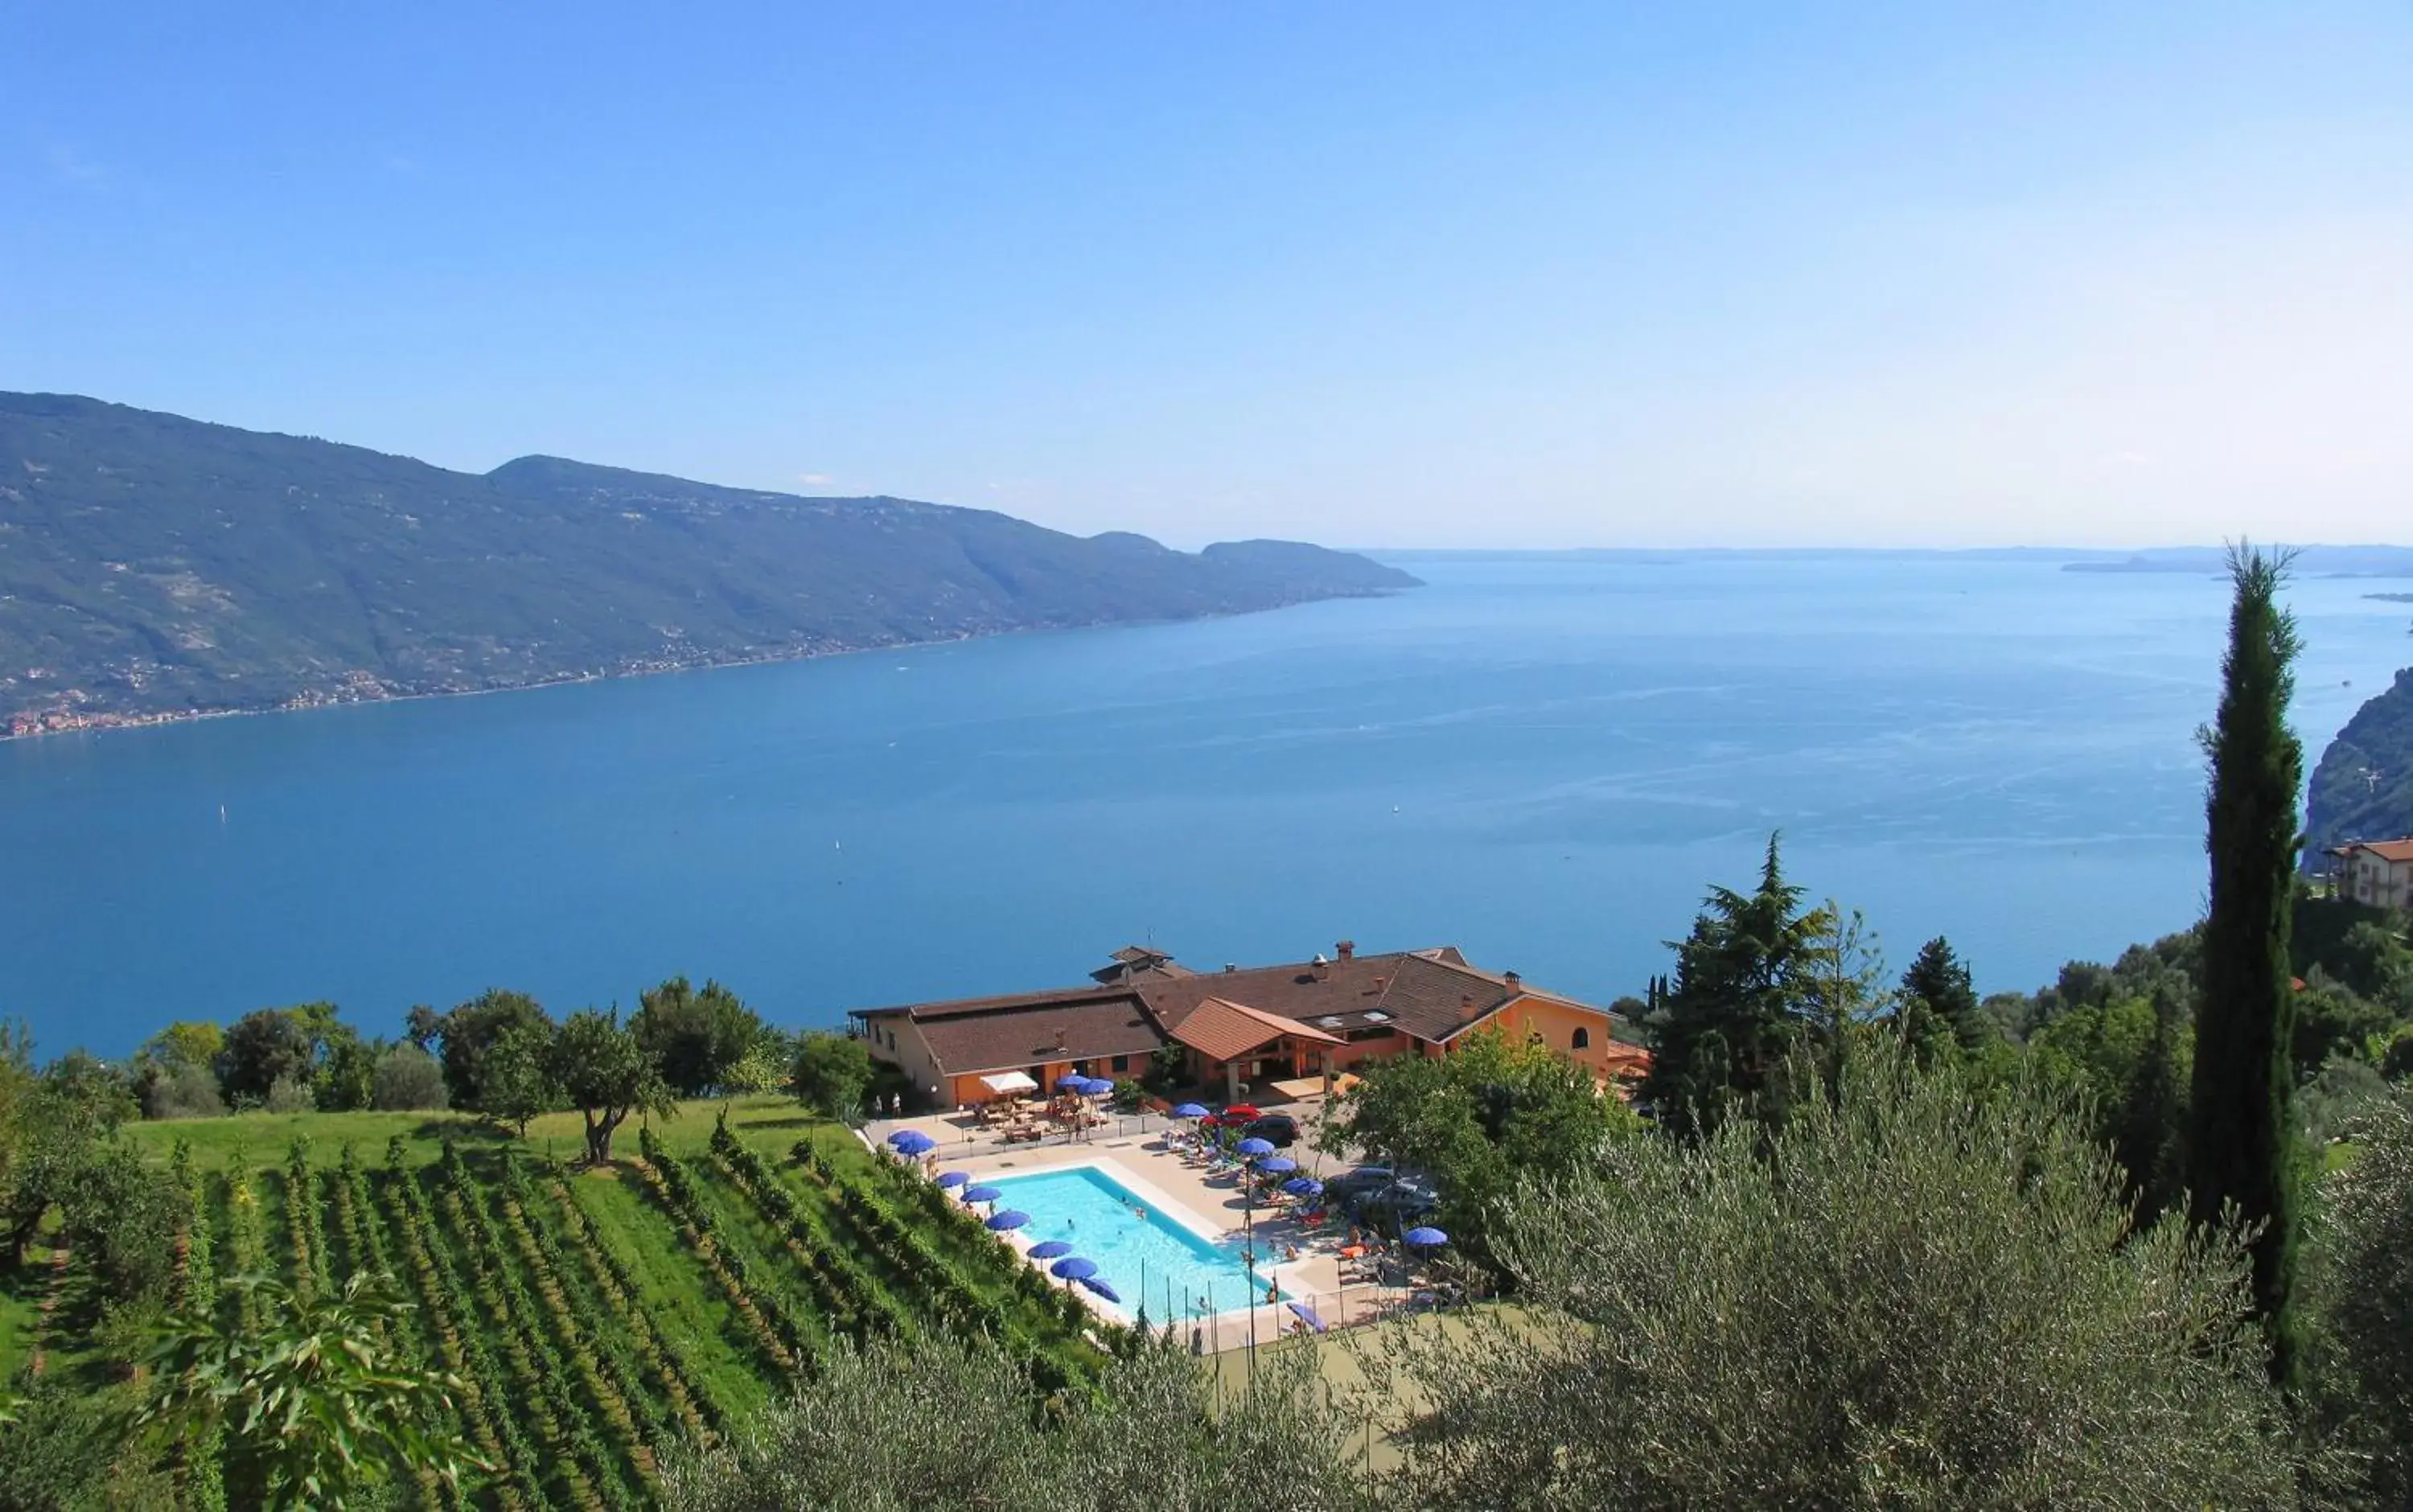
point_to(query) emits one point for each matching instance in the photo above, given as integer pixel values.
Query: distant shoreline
(2317, 560)
(100, 724)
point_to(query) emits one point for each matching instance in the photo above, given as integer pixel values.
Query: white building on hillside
(2378, 872)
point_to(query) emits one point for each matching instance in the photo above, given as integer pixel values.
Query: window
(1358, 1036)
(1583, 1038)
(1122, 1062)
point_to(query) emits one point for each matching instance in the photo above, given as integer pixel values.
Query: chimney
(1466, 1005)
(1229, 967)
(1322, 967)
(1347, 949)
(1060, 1039)
(1512, 979)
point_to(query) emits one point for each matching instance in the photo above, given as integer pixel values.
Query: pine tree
(2241, 1121)
(1736, 1000)
(1937, 990)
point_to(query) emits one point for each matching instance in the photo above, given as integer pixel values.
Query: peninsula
(155, 568)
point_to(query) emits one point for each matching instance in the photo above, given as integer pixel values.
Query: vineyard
(599, 1317)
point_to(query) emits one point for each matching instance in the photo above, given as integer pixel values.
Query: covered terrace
(1242, 1044)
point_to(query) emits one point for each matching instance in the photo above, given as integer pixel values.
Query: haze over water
(1543, 760)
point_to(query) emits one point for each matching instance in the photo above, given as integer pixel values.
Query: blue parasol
(1278, 1166)
(1102, 1289)
(1190, 1110)
(1008, 1218)
(1307, 1315)
(1303, 1186)
(1256, 1146)
(1424, 1238)
(953, 1178)
(911, 1142)
(1073, 1268)
(982, 1194)
(1049, 1249)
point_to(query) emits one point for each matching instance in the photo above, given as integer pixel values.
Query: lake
(1544, 761)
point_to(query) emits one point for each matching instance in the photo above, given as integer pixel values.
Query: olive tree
(947, 1425)
(405, 1078)
(1911, 1292)
(2360, 1286)
(606, 1076)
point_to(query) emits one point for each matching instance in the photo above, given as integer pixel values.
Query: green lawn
(770, 1123)
(21, 1288)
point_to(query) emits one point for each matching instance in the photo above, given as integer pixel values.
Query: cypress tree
(2241, 1119)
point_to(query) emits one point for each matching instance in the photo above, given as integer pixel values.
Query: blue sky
(1371, 275)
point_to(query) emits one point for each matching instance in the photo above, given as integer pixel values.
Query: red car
(1237, 1114)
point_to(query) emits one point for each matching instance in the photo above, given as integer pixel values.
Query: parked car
(1237, 1116)
(1388, 1203)
(1349, 1186)
(1278, 1128)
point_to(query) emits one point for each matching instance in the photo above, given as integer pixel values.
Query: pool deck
(1135, 1150)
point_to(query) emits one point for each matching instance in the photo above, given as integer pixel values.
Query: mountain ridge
(157, 567)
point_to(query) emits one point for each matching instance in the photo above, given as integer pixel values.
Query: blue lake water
(1542, 760)
(1176, 1271)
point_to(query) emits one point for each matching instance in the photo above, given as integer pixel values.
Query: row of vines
(575, 1383)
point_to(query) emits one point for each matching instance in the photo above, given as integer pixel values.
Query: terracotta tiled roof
(1626, 1059)
(1421, 992)
(1220, 1030)
(1008, 1033)
(2395, 850)
(1432, 995)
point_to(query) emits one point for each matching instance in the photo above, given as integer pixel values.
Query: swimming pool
(1177, 1273)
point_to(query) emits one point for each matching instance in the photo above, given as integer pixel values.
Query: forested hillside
(151, 565)
(2362, 790)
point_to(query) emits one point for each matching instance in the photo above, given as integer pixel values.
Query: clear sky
(1380, 274)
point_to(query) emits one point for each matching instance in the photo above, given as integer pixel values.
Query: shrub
(2396, 1061)
(407, 1079)
(186, 1091)
(1917, 1294)
(1168, 1070)
(831, 1075)
(943, 1424)
(2333, 1102)
(289, 1094)
(2360, 1285)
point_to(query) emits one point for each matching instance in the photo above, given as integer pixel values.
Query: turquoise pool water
(1177, 1273)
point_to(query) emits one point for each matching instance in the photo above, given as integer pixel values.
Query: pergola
(1226, 1032)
